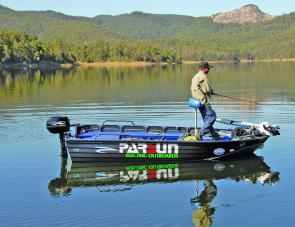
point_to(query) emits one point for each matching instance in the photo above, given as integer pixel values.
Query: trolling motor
(263, 127)
(59, 125)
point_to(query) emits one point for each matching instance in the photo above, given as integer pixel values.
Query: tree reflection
(143, 84)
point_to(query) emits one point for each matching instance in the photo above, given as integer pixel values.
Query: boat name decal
(149, 174)
(143, 150)
(153, 166)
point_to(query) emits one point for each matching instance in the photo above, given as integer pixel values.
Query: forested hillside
(146, 37)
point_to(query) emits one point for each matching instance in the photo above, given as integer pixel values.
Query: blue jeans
(209, 117)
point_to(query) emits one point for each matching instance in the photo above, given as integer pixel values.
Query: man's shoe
(215, 136)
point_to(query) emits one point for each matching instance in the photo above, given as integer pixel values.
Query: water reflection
(152, 96)
(121, 176)
(256, 82)
(203, 215)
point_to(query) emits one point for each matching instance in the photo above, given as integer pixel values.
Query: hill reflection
(256, 82)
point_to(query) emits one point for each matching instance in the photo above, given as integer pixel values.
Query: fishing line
(243, 100)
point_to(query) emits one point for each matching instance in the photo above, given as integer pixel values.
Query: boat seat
(132, 128)
(195, 103)
(155, 129)
(110, 128)
(175, 129)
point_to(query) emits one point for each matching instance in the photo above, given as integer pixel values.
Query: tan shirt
(201, 88)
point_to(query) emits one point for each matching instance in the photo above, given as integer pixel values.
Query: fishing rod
(243, 100)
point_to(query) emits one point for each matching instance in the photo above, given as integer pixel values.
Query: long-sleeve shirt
(201, 88)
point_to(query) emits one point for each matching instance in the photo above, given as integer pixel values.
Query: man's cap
(204, 64)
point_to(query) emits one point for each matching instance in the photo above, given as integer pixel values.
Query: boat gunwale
(91, 141)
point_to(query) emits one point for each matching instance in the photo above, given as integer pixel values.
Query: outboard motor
(59, 125)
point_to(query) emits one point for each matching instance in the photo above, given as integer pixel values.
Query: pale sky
(196, 8)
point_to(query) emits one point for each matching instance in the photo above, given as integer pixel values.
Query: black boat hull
(82, 150)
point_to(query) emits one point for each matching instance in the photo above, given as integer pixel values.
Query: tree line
(18, 47)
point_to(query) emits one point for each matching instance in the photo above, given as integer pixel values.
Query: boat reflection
(261, 173)
(101, 174)
(119, 176)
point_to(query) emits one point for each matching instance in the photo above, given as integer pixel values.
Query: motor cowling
(58, 124)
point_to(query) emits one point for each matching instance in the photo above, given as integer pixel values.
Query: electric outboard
(264, 127)
(272, 130)
(59, 125)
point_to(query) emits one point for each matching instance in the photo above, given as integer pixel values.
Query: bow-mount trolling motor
(59, 125)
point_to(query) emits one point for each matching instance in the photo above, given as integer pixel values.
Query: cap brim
(208, 66)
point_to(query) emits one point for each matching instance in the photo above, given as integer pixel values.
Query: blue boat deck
(134, 132)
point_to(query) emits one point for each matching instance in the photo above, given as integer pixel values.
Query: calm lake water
(38, 188)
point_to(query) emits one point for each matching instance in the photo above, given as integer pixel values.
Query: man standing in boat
(202, 91)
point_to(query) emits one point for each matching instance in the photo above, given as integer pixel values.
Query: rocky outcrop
(246, 14)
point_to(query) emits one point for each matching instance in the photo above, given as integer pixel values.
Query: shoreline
(243, 61)
(42, 65)
(53, 65)
(120, 64)
(144, 64)
(139, 63)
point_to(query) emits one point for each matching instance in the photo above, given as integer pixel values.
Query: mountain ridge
(49, 25)
(185, 36)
